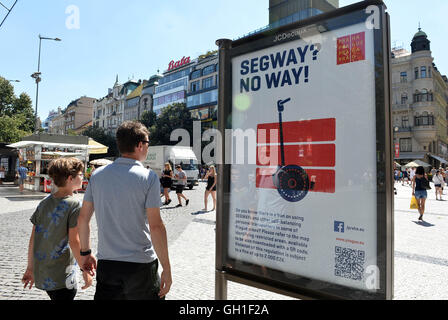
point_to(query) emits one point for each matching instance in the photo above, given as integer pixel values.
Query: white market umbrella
(101, 162)
(417, 163)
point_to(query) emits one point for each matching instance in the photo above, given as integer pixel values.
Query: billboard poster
(303, 203)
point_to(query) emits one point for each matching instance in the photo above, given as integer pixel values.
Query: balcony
(404, 129)
(401, 107)
(425, 128)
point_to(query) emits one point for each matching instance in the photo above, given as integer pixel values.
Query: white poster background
(344, 92)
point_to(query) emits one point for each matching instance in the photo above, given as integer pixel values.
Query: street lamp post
(37, 75)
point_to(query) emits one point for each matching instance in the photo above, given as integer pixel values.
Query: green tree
(6, 97)
(24, 105)
(10, 131)
(149, 118)
(19, 109)
(100, 135)
(175, 116)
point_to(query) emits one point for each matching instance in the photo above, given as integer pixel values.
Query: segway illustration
(292, 181)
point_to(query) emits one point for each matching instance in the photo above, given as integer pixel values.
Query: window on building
(195, 74)
(423, 96)
(406, 145)
(416, 73)
(429, 72)
(403, 77)
(207, 83)
(424, 120)
(423, 72)
(404, 98)
(207, 70)
(195, 86)
(405, 122)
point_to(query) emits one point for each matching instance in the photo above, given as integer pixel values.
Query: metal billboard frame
(228, 269)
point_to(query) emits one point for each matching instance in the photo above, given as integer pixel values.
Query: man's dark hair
(129, 135)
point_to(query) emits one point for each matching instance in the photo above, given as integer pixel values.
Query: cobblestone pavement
(421, 262)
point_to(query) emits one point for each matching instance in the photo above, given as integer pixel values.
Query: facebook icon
(339, 226)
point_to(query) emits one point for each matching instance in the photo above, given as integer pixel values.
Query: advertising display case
(306, 201)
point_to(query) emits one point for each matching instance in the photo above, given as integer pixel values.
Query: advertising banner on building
(306, 213)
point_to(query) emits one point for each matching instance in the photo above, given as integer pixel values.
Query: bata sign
(180, 63)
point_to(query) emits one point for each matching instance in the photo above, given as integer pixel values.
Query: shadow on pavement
(424, 223)
(25, 198)
(199, 212)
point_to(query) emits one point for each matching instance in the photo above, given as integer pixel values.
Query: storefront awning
(24, 144)
(410, 156)
(443, 161)
(91, 147)
(100, 149)
(63, 154)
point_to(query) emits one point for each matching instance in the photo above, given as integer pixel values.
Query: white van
(184, 156)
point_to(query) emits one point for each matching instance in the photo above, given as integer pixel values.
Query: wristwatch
(85, 253)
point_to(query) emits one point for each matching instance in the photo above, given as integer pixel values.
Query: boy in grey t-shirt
(51, 264)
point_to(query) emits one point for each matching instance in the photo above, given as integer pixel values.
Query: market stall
(37, 156)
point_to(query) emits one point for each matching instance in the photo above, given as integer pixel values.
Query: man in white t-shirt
(412, 174)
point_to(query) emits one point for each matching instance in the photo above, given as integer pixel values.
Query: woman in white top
(438, 184)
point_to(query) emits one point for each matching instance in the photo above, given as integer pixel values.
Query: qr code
(349, 263)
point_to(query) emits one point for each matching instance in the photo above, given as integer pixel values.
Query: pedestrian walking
(2, 174)
(419, 186)
(211, 178)
(167, 182)
(411, 175)
(438, 184)
(22, 172)
(131, 234)
(54, 238)
(90, 171)
(181, 183)
(404, 177)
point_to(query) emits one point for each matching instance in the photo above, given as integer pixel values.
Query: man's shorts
(21, 180)
(179, 188)
(118, 280)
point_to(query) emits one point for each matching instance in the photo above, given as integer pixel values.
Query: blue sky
(136, 38)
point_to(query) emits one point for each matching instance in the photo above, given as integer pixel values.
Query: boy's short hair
(129, 135)
(60, 169)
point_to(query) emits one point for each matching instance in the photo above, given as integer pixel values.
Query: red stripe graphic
(298, 131)
(305, 155)
(324, 179)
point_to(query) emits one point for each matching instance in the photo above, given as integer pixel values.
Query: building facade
(108, 112)
(173, 86)
(419, 104)
(47, 122)
(141, 99)
(202, 93)
(283, 12)
(78, 113)
(57, 123)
